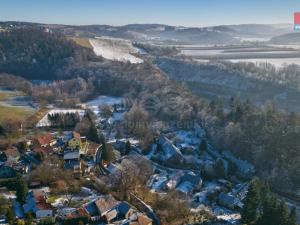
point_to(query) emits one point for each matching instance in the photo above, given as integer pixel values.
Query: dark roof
(92, 209)
(192, 178)
(70, 164)
(123, 208)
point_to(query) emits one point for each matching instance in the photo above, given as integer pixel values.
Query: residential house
(46, 140)
(73, 140)
(79, 214)
(37, 204)
(7, 172)
(142, 219)
(72, 161)
(192, 178)
(228, 200)
(124, 210)
(167, 153)
(12, 155)
(185, 188)
(244, 169)
(137, 219)
(105, 204)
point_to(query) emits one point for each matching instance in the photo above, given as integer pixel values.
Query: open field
(276, 55)
(84, 42)
(11, 112)
(5, 96)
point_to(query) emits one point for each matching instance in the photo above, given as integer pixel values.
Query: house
(143, 219)
(137, 219)
(244, 169)
(124, 210)
(168, 153)
(192, 178)
(72, 161)
(105, 204)
(174, 181)
(228, 200)
(186, 188)
(36, 203)
(80, 213)
(7, 172)
(12, 155)
(73, 140)
(111, 215)
(46, 140)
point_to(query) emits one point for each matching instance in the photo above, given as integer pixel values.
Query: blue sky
(172, 12)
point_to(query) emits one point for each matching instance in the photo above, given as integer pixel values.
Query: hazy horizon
(189, 13)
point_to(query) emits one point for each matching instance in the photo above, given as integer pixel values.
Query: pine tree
(202, 146)
(270, 212)
(127, 147)
(107, 152)
(10, 215)
(250, 212)
(283, 214)
(21, 190)
(293, 217)
(220, 168)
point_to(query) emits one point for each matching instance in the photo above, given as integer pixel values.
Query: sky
(196, 13)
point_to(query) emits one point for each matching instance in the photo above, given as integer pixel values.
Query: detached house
(46, 140)
(73, 140)
(37, 204)
(72, 161)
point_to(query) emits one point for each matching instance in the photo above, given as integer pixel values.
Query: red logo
(297, 18)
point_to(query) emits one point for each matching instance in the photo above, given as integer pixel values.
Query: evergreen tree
(93, 133)
(21, 190)
(270, 212)
(107, 152)
(283, 214)
(10, 215)
(250, 212)
(159, 148)
(202, 146)
(127, 147)
(293, 217)
(220, 168)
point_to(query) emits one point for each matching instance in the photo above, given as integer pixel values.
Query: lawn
(13, 112)
(6, 95)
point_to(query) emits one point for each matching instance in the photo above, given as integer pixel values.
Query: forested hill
(37, 54)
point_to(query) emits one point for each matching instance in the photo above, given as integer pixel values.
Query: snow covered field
(115, 49)
(100, 101)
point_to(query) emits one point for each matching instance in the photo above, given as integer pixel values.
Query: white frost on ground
(44, 122)
(115, 49)
(101, 101)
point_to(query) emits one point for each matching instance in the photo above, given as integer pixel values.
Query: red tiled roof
(45, 140)
(144, 220)
(81, 212)
(44, 206)
(40, 200)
